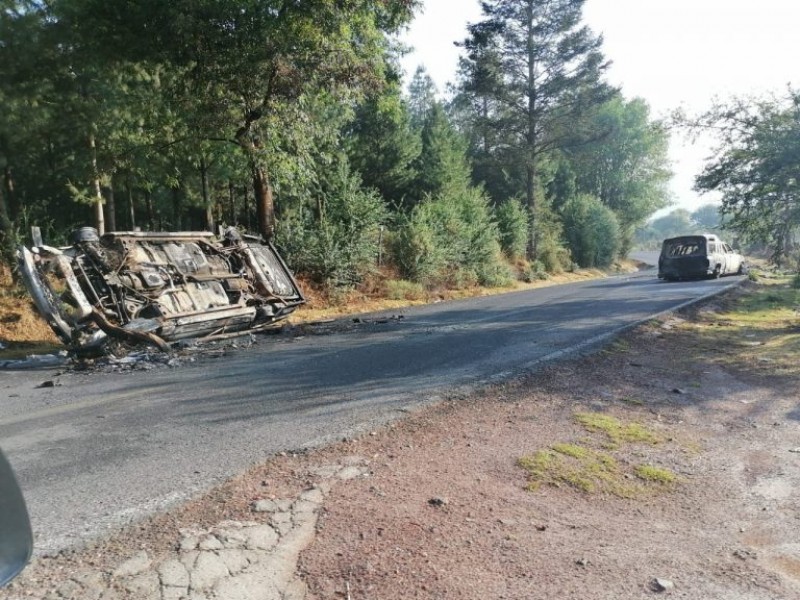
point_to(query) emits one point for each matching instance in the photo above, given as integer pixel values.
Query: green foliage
(442, 167)
(512, 222)
(421, 97)
(592, 231)
(551, 253)
(530, 76)
(755, 168)
(586, 470)
(382, 146)
(536, 271)
(338, 245)
(186, 103)
(626, 166)
(449, 240)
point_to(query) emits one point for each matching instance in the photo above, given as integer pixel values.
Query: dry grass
(382, 294)
(19, 322)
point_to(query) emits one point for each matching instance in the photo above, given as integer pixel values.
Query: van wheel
(717, 272)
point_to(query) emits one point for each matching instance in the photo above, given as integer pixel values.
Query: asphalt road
(100, 450)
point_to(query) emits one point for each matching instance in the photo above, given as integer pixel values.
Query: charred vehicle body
(157, 287)
(694, 256)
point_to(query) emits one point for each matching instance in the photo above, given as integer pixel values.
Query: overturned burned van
(157, 288)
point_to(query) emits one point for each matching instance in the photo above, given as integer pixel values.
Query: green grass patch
(655, 474)
(572, 450)
(576, 467)
(592, 472)
(616, 431)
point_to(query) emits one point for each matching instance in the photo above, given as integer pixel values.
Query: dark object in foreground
(156, 288)
(694, 256)
(16, 538)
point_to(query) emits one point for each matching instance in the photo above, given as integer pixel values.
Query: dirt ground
(728, 527)
(667, 464)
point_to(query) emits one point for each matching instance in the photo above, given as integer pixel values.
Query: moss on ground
(616, 431)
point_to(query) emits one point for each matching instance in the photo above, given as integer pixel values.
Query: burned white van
(696, 256)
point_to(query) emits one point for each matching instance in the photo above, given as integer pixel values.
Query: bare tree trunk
(208, 216)
(111, 207)
(231, 203)
(100, 220)
(531, 137)
(265, 208)
(151, 214)
(530, 194)
(248, 222)
(131, 208)
(176, 208)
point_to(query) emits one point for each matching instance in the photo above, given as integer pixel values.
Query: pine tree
(532, 70)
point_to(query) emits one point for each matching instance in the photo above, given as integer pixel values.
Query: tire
(742, 269)
(717, 272)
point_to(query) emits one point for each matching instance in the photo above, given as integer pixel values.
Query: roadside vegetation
(760, 328)
(297, 124)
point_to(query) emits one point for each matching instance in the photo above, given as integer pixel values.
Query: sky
(672, 53)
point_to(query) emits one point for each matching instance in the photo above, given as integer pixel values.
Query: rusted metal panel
(158, 287)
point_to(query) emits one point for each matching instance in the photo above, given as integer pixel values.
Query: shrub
(512, 222)
(451, 240)
(338, 245)
(550, 251)
(536, 271)
(591, 230)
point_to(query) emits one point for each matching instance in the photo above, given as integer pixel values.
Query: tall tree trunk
(111, 207)
(247, 221)
(99, 218)
(151, 214)
(131, 208)
(531, 137)
(530, 194)
(176, 208)
(208, 216)
(231, 204)
(265, 208)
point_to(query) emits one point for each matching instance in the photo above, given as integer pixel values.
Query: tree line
(756, 170)
(292, 120)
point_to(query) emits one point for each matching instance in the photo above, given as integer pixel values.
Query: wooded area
(290, 119)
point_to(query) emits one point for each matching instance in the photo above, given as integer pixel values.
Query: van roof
(707, 236)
